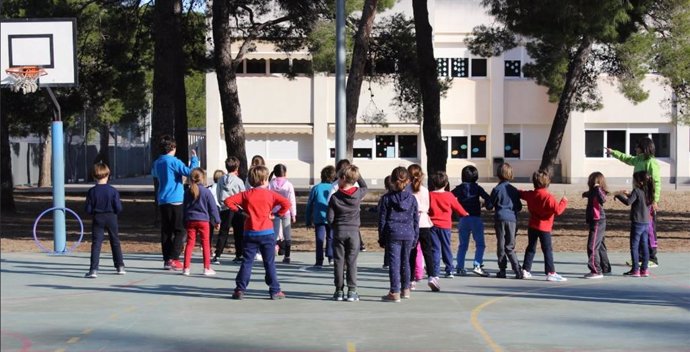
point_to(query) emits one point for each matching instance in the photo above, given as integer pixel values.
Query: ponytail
(416, 177)
(195, 178)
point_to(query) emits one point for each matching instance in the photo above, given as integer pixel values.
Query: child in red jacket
(258, 204)
(542, 209)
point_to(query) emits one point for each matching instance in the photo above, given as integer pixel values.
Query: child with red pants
(199, 209)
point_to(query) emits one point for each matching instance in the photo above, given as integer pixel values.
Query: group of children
(413, 221)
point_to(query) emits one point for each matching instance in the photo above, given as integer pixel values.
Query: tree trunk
(356, 75)
(571, 87)
(168, 77)
(44, 171)
(7, 190)
(103, 155)
(227, 85)
(436, 151)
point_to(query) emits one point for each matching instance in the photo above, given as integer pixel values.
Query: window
(615, 140)
(256, 66)
(511, 145)
(512, 68)
(407, 146)
(594, 144)
(361, 152)
(301, 66)
(279, 66)
(378, 66)
(479, 68)
(442, 67)
(385, 146)
(662, 144)
(478, 144)
(458, 147)
(459, 67)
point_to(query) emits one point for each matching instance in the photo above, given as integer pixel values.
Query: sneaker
(479, 271)
(278, 295)
(338, 296)
(175, 265)
(461, 272)
(519, 275)
(330, 261)
(352, 296)
(363, 249)
(258, 257)
(237, 260)
(209, 272)
(413, 285)
(449, 275)
(644, 273)
(501, 274)
(215, 261)
(384, 267)
(433, 284)
(526, 274)
(237, 294)
(286, 260)
(405, 294)
(121, 270)
(632, 273)
(594, 276)
(555, 277)
(653, 264)
(91, 274)
(167, 265)
(391, 297)
(186, 272)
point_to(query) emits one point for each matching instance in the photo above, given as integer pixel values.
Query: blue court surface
(47, 305)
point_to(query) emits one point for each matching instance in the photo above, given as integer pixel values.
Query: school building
(492, 112)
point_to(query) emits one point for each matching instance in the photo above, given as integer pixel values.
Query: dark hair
(646, 184)
(505, 172)
(438, 180)
(278, 171)
(100, 171)
(416, 177)
(196, 177)
(232, 164)
(541, 179)
(258, 160)
(399, 179)
(341, 164)
(469, 174)
(646, 146)
(597, 178)
(387, 183)
(328, 174)
(166, 144)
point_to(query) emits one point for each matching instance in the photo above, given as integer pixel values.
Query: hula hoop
(74, 246)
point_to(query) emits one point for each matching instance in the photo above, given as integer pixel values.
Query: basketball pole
(58, 175)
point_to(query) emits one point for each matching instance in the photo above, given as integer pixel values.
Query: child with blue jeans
(442, 205)
(639, 201)
(468, 194)
(103, 202)
(259, 236)
(317, 208)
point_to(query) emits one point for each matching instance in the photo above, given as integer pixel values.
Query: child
(505, 200)
(442, 205)
(468, 194)
(398, 227)
(317, 208)
(342, 163)
(542, 208)
(229, 185)
(639, 201)
(281, 224)
(343, 215)
(217, 177)
(168, 172)
(598, 259)
(382, 237)
(258, 203)
(103, 202)
(644, 160)
(422, 255)
(199, 209)
(257, 160)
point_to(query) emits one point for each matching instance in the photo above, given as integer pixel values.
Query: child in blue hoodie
(399, 229)
(468, 194)
(317, 207)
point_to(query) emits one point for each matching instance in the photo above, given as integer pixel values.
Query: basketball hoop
(25, 78)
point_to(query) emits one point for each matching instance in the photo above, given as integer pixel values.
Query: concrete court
(47, 305)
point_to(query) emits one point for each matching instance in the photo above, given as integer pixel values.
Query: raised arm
(626, 158)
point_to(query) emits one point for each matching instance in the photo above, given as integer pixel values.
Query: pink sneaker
(644, 273)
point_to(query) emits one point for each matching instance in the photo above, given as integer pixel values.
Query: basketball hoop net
(25, 78)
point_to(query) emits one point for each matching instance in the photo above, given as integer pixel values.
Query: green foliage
(195, 85)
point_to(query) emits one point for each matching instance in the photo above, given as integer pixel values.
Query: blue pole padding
(58, 174)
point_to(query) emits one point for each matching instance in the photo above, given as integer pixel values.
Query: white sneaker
(209, 272)
(185, 272)
(594, 276)
(555, 277)
(526, 274)
(258, 257)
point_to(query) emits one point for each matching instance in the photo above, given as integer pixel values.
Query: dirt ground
(140, 233)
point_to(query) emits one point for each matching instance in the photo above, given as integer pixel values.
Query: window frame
(469, 134)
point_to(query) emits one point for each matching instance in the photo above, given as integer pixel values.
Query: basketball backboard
(50, 43)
